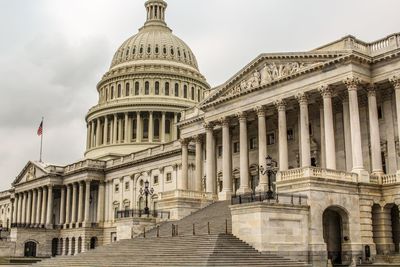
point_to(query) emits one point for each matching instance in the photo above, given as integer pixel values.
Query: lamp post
(270, 169)
(146, 191)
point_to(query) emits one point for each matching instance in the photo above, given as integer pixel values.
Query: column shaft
(39, 206)
(115, 129)
(44, 206)
(390, 135)
(62, 206)
(138, 128)
(185, 165)
(305, 132)
(262, 149)
(92, 139)
(175, 137)
(151, 127)
(120, 132)
(105, 131)
(210, 154)
(283, 146)
(88, 132)
(127, 139)
(34, 206)
(29, 208)
(74, 196)
(162, 134)
(98, 132)
(322, 126)
(80, 203)
(199, 164)
(330, 150)
(49, 220)
(68, 205)
(226, 161)
(244, 155)
(100, 204)
(347, 134)
(87, 203)
(376, 156)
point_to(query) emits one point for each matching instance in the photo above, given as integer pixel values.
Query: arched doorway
(335, 231)
(394, 212)
(93, 242)
(79, 244)
(54, 247)
(67, 246)
(30, 249)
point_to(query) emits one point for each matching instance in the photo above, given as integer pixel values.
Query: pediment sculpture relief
(31, 174)
(269, 73)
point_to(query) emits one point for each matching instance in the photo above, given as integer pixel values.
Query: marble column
(322, 144)
(227, 189)
(138, 128)
(74, 196)
(62, 206)
(105, 131)
(80, 203)
(49, 220)
(162, 135)
(92, 139)
(39, 206)
(244, 155)
(262, 148)
(347, 134)
(115, 129)
(106, 204)
(15, 210)
(283, 144)
(44, 206)
(330, 150)
(175, 137)
(126, 128)
(34, 207)
(87, 202)
(183, 184)
(100, 204)
(68, 205)
(29, 208)
(98, 132)
(391, 164)
(89, 130)
(210, 161)
(20, 204)
(395, 81)
(304, 130)
(151, 127)
(120, 132)
(199, 163)
(376, 155)
(352, 84)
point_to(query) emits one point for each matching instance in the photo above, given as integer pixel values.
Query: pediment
(269, 69)
(31, 171)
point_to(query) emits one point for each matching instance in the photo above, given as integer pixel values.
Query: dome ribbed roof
(154, 41)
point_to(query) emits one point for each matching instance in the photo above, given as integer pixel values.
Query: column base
(49, 226)
(262, 188)
(243, 190)
(225, 194)
(363, 175)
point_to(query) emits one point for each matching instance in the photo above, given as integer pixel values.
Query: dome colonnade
(153, 77)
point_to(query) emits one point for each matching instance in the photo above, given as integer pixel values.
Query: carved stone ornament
(395, 81)
(31, 174)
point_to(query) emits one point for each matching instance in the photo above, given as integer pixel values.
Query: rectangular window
(271, 139)
(219, 151)
(253, 143)
(290, 134)
(155, 179)
(169, 177)
(380, 113)
(116, 188)
(126, 186)
(236, 147)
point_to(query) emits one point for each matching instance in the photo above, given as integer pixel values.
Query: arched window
(176, 89)
(167, 88)
(167, 126)
(112, 92)
(192, 92)
(137, 88)
(127, 91)
(164, 50)
(146, 128)
(148, 49)
(157, 88)
(198, 95)
(185, 91)
(172, 51)
(146, 88)
(179, 52)
(156, 129)
(157, 50)
(119, 90)
(134, 50)
(106, 93)
(141, 49)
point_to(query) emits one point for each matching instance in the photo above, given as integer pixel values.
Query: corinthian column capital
(325, 90)
(395, 81)
(224, 121)
(241, 115)
(280, 104)
(260, 110)
(302, 98)
(371, 90)
(352, 82)
(208, 125)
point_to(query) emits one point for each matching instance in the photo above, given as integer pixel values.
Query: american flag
(40, 129)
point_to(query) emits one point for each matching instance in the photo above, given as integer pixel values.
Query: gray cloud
(53, 53)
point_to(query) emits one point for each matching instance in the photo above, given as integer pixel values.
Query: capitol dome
(153, 77)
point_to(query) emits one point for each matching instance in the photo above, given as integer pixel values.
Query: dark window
(290, 134)
(219, 151)
(198, 96)
(172, 51)
(167, 126)
(253, 143)
(134, 50)
(380, 114)
(310, 129)
(165, 50)
(169, 177)
(270, 138)
(185, 91)
(126, 186)
(146, 128)
(134, 129)
(127, 87)
(141, 50)
(119, 90)
(137, 88)
(116, 188)
(167, 88)
(156, 128)
(148, 49)
(157, 88)
(106, 94)
(179, 52)
(156, 49)
(176, 89)
(192, 93)
(155, 179)
(146, 88)
(236, 147)
(112, 92)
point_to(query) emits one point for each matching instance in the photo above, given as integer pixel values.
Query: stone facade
(329, 118)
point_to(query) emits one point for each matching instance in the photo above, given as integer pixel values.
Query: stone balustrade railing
(5, 194)
(390, 178)
(178, 193)
(89, 163)
(316, 172)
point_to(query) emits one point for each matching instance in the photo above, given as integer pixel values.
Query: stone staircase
(185, 249)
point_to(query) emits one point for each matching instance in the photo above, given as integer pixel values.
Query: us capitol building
(329, 117)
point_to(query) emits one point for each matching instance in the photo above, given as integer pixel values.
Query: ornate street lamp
(146, 191)
(270, 169)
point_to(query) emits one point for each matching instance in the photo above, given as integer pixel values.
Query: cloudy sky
(53, 52)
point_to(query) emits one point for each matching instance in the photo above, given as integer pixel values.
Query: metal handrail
(133, 213)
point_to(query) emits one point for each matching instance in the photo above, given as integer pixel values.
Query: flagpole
(41, 142)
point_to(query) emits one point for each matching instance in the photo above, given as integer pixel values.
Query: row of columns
(34, 207)
(121, 129)
(353, 143)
